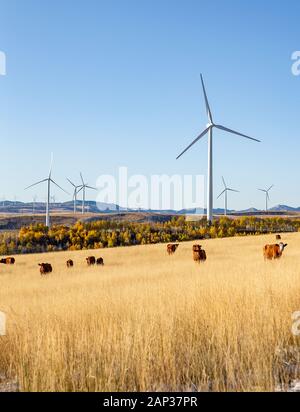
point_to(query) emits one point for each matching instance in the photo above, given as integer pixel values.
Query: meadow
(149, 322)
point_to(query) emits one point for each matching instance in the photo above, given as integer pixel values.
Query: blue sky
(105, 84)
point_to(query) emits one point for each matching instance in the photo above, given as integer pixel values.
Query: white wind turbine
(209, 129)
(33, 203)
(49, 180)
(266, 191)
(227, 189)
(84, 186)
(76, 187)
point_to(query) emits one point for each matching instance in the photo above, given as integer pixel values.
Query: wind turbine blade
(194, 141)
(233, 190)
(262, 190)
(82, 178)
(51, 164)
(224, 182)
(37, 183)
(221, 193)
(270, 188)
(81, 187)
(234, 132)
(70, 182)
(59, 186)
(206, 101)
(90, 187)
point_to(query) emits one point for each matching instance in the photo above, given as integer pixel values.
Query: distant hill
(39, 207)
(17, 207)
(284, 208)
(250, 210)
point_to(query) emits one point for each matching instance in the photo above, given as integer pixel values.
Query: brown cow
(8, 261)
(278, 237)
(274, 251)
(171, 248)
(91, 260)
(70, 263)
(199, 255)
(45, 268)
(100, 261)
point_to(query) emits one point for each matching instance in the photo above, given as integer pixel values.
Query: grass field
(146, 321)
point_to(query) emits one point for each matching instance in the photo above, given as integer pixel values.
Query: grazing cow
(274, 251)
(70, 263)
(91, 260)
(45, 268)
(278, 237)
(171, 248)
(8, 261)
(199, 255)
(100, 261)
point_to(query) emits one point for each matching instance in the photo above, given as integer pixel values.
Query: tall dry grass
(147, 321)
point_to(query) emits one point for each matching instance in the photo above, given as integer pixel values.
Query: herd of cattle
(273, 251)
(199, 254)
(46, 268)
(270, 252)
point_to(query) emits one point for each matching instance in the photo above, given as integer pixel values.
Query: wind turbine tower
(33, 203)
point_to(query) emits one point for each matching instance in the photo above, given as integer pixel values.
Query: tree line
(106, 234)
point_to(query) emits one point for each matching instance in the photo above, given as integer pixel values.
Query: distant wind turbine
(227, 189)
(33, 203)
(209, 129)
(266, 191)
(49, 180)
(76, 190)
(84, 186)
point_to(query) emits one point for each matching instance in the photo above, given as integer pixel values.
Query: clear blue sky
(105, 84)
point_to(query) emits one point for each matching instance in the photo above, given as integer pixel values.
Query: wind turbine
(76, 187)
(49, 180)
(266, 191)
(84, 186)
(209, 129)
(227, 189)
(33, 203)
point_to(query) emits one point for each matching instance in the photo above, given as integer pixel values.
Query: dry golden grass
(147, 321)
